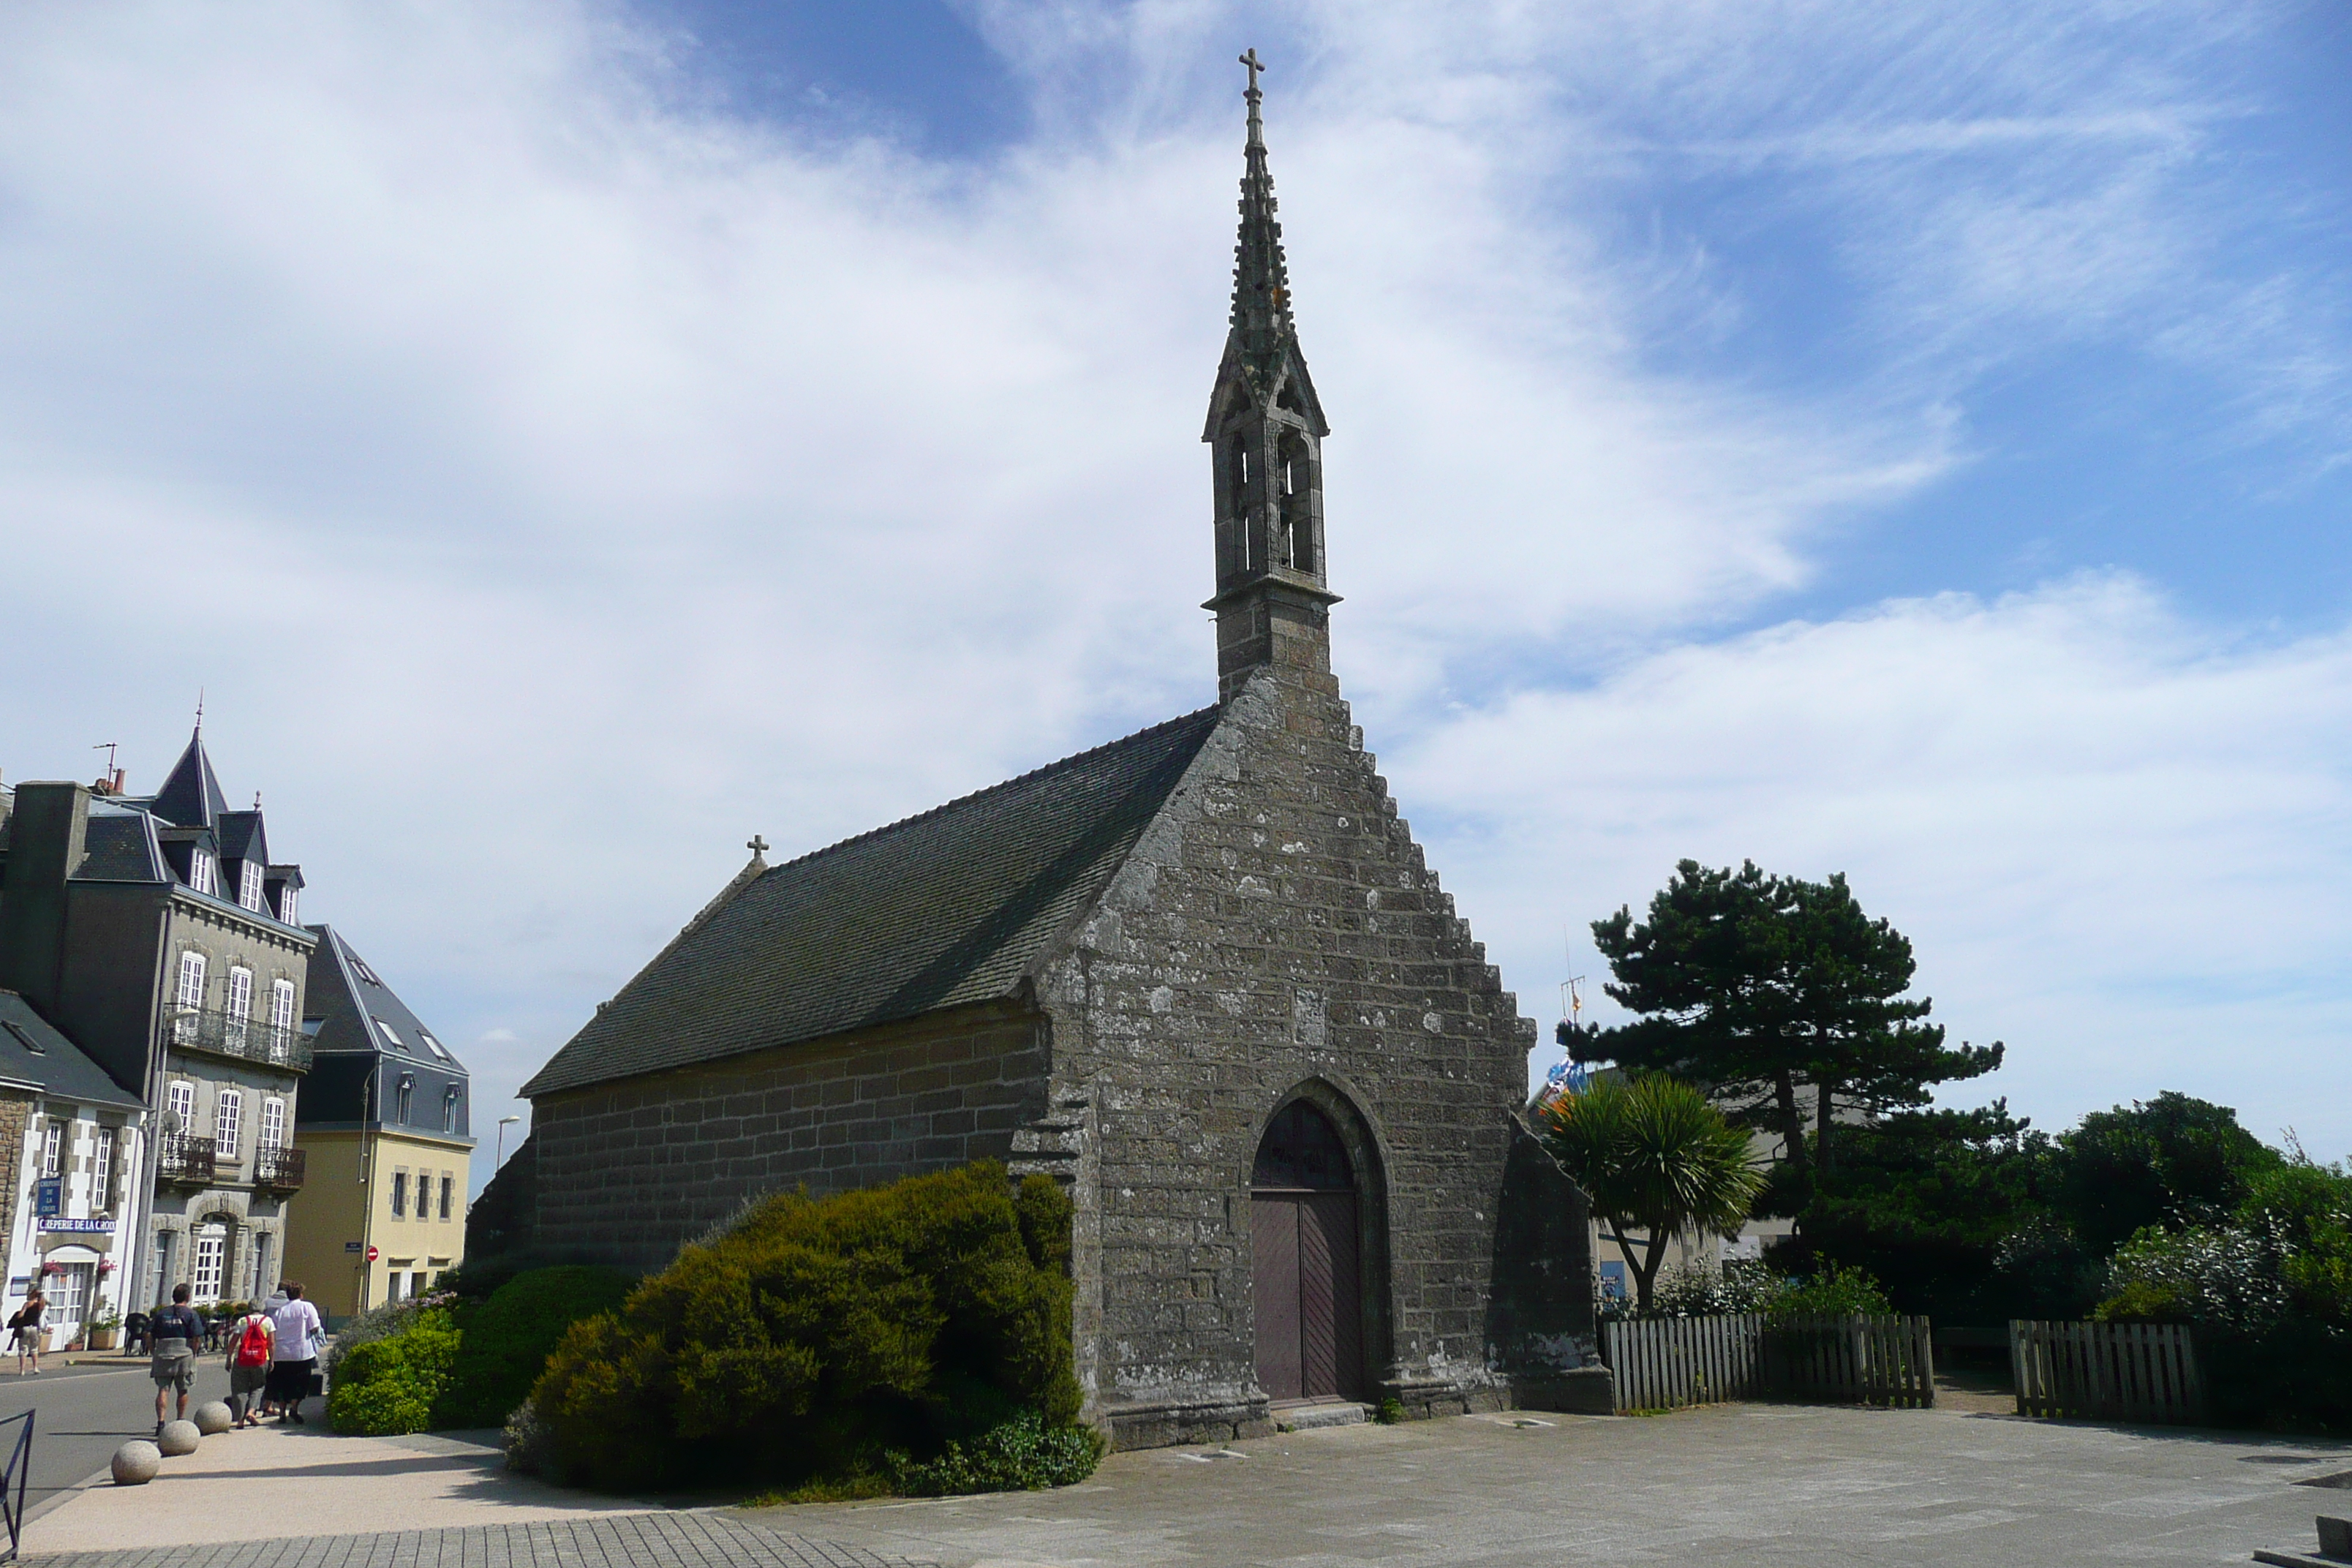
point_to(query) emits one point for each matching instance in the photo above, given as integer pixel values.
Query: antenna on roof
(200, 709)
(111, 781)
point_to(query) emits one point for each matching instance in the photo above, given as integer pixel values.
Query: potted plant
(104, 1329)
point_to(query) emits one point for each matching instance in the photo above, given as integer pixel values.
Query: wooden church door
(1307, 1277)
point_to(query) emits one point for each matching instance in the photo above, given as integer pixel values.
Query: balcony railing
(226, 1034)
(180, 1158)
(278, 1167)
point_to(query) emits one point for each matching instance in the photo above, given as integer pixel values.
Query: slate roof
(120, 846)
(191, 795)
(33, 1053)
(348, 998)
(941, 910)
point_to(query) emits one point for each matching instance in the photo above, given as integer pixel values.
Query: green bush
(826, 1338)
(508, 1338)
(391, 1384)
(1837, 1292)
(1023, 1455)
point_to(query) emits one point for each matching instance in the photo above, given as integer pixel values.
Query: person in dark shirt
(175, 1331)
(134, 1332)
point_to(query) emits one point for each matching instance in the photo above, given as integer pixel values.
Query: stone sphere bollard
(178, 1437)
(136, 1462)
(214, 1417)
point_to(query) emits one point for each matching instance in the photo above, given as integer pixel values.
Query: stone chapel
(1201, 975)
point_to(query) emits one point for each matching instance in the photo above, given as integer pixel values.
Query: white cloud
(552, 482)
(2116, 838)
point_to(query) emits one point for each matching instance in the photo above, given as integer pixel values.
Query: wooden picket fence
(2112, 1372)
(1662, 1364)
(1856, 1360)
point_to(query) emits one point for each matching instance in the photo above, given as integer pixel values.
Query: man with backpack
(250, 1340)
(176, 1334)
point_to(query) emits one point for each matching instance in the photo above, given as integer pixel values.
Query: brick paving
(681, 1540)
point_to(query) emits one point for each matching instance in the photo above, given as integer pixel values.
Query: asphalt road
(82, 1413)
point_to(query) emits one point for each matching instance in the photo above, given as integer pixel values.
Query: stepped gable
(948, 907)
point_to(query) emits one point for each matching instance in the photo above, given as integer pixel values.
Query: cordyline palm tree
(1653, 1154)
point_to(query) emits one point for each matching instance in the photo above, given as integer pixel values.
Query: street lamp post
(500, 1157)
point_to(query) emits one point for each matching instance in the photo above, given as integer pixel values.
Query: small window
(180, 1100)
(433, 1045)
(360, 968)
(404, 1097)
(53, 1147)
(448, 1186)
(101, 1168)
(249, 889)
(397, 1043)
(200, 875)
(449, 1109)
(399, 1194)
(229, 1114)
(285, 904)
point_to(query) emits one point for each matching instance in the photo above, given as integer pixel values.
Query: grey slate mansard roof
(941, 910)
(32, 1054)
(354, 999)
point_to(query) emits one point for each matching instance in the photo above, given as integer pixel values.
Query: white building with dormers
(157, 933)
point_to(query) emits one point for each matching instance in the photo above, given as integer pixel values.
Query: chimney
(47, 833)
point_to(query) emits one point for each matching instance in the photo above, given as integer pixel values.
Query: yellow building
(383, 1125)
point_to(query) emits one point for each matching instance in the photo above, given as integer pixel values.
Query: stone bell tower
(1266, 431)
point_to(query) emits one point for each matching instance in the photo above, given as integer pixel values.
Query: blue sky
(564, 439)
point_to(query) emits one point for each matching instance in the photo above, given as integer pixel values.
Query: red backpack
(253, 1347)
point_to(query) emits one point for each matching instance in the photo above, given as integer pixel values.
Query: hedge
(390, 1385)
(509, 1336)
(915, 1331)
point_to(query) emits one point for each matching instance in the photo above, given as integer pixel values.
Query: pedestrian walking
(248, 1365)
(177, 1331)
(294, 1353)
(25, 1330)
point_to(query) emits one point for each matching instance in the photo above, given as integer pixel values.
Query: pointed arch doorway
(1307, 1274)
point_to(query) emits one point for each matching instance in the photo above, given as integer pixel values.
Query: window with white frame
(402, 1096)
(200, 872)
(101, 1168)
(449, 1109)
(190, 996)
(229, 1110)
(179, 1101)
(212, 1251)
(53, 1145)
(240, 1002)
(273, 1124)
(286, 903)
(281, 1005)
(248, 885)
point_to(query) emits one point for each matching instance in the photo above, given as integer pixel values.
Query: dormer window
(200, 872)
(249, 888)
(402, 1096)
(286, 905)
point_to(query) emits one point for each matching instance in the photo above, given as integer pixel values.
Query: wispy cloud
(556, 478)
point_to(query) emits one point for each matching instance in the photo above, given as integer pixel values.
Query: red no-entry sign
(371, 1255)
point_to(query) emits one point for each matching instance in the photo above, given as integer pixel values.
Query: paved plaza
(1751, 1484)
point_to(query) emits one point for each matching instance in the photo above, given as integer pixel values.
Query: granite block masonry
(1204, 976)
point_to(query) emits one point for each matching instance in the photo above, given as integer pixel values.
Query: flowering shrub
(2221, 1277)
(1750, 1285)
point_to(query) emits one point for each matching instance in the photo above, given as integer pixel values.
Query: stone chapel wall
(627, 1172)
(1278, 925)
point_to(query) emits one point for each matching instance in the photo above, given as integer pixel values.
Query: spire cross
(756, 844)
(1253, 94)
